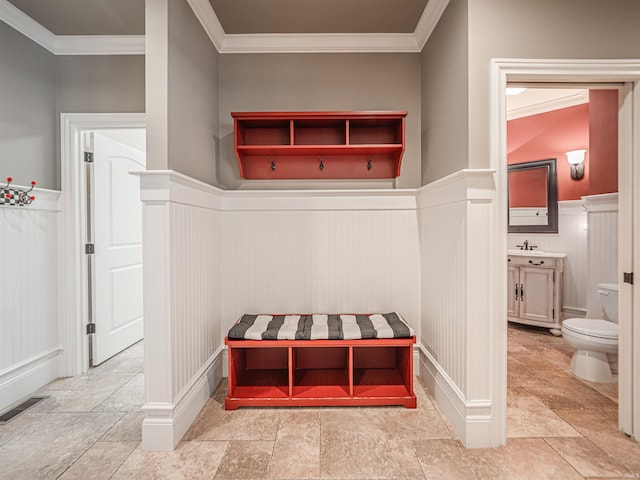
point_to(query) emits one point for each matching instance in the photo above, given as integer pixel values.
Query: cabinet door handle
(521, 292)
(536, 264)
(516, 292)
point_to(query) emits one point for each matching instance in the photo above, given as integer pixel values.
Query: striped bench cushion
(320, 327)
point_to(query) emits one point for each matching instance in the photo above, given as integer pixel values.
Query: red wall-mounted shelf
(319, 145)
(320, 373)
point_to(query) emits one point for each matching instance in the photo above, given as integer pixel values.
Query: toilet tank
(609, 298)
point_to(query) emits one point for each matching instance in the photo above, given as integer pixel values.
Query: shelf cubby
(319, 145)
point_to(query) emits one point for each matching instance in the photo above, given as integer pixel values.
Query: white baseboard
(24, 378)
(471, 420)
(165, 424)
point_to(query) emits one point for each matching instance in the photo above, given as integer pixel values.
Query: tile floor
(558, 428)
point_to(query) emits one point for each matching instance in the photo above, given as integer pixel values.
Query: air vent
(15, 411)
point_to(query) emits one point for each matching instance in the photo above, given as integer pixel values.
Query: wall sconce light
(576, 162)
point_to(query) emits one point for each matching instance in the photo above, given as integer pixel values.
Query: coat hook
(321, 164)
(273, 165)
(369, 164)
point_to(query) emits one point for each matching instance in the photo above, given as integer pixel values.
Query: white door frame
(570, 71)
(72, 274)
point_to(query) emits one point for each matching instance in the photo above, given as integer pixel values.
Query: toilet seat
(592, 327)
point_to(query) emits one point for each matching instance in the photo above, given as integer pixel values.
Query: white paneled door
(116, 219)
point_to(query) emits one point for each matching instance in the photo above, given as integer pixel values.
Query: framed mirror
(533, 197)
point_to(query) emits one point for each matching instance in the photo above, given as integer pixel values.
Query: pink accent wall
(603, 141)
(550, 135)
(592, 126)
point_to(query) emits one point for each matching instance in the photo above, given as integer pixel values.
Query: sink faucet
(526, 246)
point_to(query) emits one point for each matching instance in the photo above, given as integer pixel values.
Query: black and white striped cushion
(320, 327)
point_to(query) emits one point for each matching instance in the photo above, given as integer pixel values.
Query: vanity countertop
(534, 253)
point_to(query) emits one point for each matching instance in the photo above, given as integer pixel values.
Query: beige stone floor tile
(127, 398)
(189, 461)
(443, 460)
(295, 459)
(94, 393)
(368, 459)
(299, 426)
(47, 448)
(349, 426)
(127, 429)
(214, 423)
(599, 427)
(520, 459)
(398, 423)
(572, 386)
(529, 417)
(588, 459)
(17, 425)
(554, 397)
(100, 462)
(246, 460)
(520, 375)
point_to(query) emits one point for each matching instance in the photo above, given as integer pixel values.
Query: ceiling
(313, 16)
(126, 17)
(86, 17)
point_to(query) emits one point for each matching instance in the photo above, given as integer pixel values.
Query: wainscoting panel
(602, 212)
(457, 329)
(572, 240)
(323, 258)
(29, 346)
(182, 302)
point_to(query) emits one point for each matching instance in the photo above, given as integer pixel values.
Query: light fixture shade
(574, 157)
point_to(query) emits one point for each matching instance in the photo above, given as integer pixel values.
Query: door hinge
(554, 276)
(89, 248)
(628, 278)
(553, 313)
(88, 157)
(91, 328)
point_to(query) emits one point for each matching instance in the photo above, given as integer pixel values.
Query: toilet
(596, 340)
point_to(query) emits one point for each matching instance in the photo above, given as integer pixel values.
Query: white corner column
(461, 320)
(183, 343)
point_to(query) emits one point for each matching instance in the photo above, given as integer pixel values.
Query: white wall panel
(304, 261)
(457, 327)
(29, 346)
(572, 240)
(602, 265)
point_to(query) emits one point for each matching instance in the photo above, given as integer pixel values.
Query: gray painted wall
(36, 86)
(445, 95)
(192, 96)
(294, 82)
(28, 139)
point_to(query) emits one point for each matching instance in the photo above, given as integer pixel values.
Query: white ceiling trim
(549, 105)
(14, 17)
(428, 21)
(319, 43)
(100, 45)
(253, 43)
(70, 44)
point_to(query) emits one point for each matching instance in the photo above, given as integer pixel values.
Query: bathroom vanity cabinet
(534, 288)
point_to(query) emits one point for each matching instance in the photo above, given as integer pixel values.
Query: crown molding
(100, 45)
(16, 18)
(549, 105)
(209, 21)
(428, 21)
(70, 44)
(319, 43)
(250, 43)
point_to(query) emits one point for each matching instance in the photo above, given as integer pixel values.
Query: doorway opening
(569, 260)
(77, 222)
(622, 74)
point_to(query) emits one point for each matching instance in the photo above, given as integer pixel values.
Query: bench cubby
(320, 373)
